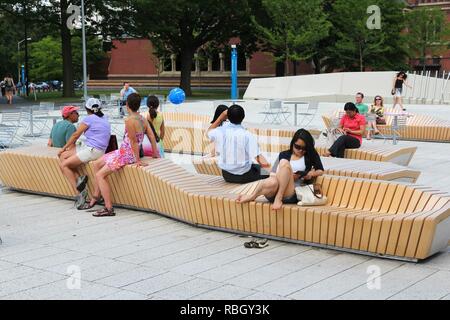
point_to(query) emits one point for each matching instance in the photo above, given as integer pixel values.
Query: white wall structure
(342, 87)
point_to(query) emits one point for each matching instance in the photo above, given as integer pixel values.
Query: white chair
(7, 136)
(275, 113)
(41, 120)
(11, 118)
(309, 114)
(397, 128)
(46, 106)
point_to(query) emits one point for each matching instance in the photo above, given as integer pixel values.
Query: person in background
(352, 128)
(301, 163)
(237, 148)
(376, 108)
(124, 93)
(362, 107)
(63, 130)
(128, 153)
(397, 89)
(156, 118)
(97, 130)
(219, 110)
(10, 88)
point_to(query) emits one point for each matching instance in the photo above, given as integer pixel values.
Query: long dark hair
(402, 73)
(219, 110)
(307, 138)
(153, 105)
(95, 110)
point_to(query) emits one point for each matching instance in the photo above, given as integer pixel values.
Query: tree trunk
(361, 65)
(187, 57)
(279, 69)
(66, 37)
(317, 65)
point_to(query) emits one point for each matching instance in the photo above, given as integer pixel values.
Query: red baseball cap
(67, 110)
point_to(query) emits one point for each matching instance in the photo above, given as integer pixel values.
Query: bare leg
(401, 103)
(102, 181)
(375, 128)
(369, 136)
(67, 154)
(286, 184)
(98, 165)
(267, 187)
(69, 169)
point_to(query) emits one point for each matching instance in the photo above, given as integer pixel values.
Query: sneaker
(81, 183)
(81, 199)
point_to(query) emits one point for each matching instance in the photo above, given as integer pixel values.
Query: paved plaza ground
(48, 245)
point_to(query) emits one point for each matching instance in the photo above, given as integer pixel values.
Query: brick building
(439, 62)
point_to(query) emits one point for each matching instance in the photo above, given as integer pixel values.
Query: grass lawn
(204, 94)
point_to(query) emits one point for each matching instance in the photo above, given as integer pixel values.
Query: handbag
(393, 92)
(310, 195)
(332, 136)
(112, 144)
(380, 121)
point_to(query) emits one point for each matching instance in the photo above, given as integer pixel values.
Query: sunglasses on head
(296, 146)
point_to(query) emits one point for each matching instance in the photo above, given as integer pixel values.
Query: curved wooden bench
(390, 220)
(337, 167)
(190, 138)
(204, 121)
(418, 127)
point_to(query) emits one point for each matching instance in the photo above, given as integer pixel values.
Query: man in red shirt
(352, 128)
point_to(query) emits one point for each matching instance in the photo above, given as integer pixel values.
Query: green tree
(428, 32)
(293, 29)
(8, 46)
(357, 47)
(46, 62)
(181, 27)
(104, 17)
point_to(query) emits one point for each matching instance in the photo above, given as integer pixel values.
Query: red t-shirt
(354, 124)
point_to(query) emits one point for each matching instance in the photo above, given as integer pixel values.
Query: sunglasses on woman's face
(378, 99)
(298, 147)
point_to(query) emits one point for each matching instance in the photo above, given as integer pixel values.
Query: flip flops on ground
(256, 244)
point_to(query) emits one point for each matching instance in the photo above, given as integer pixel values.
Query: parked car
(42, 86)
(55, 84)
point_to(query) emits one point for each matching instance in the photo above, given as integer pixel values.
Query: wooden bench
(259, 130)
(374, 217)
(189, 138)
(418, 127)
(337, 167)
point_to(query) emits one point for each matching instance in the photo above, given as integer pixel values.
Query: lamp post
(83, 23)
(18, 56)
(234, 70)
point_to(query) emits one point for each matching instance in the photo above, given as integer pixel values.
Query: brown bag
(380, 121)
(112, 145)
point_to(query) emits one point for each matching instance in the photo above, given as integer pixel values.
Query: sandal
(105, 212)
(87, 204)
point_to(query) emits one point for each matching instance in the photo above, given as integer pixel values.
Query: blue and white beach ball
(177, 96)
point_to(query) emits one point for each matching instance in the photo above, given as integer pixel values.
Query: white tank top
(298, 165)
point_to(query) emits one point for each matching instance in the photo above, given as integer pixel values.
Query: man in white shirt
(124, 93)
(236, 148)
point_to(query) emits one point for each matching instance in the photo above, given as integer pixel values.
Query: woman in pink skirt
(128, 153)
